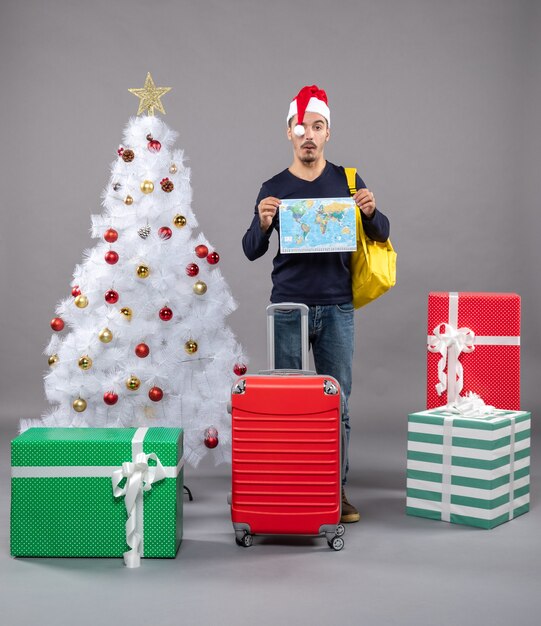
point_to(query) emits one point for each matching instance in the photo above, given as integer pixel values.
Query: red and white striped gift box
(473, 346)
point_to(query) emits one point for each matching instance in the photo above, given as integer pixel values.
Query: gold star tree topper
(150, 96)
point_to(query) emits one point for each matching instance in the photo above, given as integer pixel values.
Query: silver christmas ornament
(144, 232)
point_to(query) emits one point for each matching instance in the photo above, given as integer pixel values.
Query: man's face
(309, 147)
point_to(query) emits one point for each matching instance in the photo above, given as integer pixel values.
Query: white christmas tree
(142, 340)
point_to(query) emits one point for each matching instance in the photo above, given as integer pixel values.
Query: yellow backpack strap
(351, 173)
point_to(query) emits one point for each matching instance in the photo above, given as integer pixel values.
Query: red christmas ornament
(110, 235)
(240, 369)
(142, 350)
(165, 232)
(211, 437)
(57, 324)
(201, 251)
(111, 257)
(213, 258)
(111, 296)
(75, 291)
(166, 314)
(154, 145)
(192, 269)
(120, 150)
(110, 398)
(155, 394)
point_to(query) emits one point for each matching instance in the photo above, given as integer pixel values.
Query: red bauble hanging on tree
(153, 144)
(111, 296)
(142, 350)
(201, 251)
(211, 437)
(166, 314)
(192, 269)
(155, 394)
(213, 258)
(57, 324)
(75, 291)
(111, 257)
(110, 398)
(240, 369)
(165, 233)
(110, 235)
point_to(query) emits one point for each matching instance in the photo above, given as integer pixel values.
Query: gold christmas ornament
(79, 405)
(133, 383)
(128, 200)
(200, 287)
(190, 346)
(173, 168)
(85, 362)
(179, 221)
(143, 271)
(105, 335)
(81, 301)
(126, 312)
(53, 359)
(147, 186)
(150, 96)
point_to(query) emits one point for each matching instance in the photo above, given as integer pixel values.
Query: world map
(317, 225)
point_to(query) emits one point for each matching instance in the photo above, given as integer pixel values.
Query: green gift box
(468, 470)
(97, 492)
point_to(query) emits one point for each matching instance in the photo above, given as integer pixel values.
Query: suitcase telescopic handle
(288, 306)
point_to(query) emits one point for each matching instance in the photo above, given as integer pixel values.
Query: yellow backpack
(373, 265)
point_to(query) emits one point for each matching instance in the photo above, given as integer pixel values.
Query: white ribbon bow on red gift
(140, 477)
(448, 340)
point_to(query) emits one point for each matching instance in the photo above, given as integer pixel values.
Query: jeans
(331, 333)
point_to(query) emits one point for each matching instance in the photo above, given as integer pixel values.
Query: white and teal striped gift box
(468, 470)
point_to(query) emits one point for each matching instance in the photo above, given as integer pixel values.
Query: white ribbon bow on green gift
(471, 405)
(140, 476)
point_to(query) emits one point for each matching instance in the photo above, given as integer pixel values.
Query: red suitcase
(286, 450)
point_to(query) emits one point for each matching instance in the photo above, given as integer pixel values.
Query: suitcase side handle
(287, 306)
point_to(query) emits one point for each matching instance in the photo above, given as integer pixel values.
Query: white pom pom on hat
(310, 98)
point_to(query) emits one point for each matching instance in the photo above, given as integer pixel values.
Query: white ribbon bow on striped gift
(448, 340)
(471, 405)
(140, 477)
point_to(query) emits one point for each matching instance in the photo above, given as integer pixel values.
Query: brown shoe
(349, 512)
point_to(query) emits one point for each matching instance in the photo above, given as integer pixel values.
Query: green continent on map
(333, 211)
(298, 211)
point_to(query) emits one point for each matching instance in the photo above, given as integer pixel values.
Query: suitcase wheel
(340, 530)
(246, 541)
(337, 543)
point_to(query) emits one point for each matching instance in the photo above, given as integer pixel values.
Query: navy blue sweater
(311, 278)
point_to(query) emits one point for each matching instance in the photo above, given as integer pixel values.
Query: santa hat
(312, 99)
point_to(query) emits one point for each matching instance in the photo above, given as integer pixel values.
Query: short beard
(308, 158)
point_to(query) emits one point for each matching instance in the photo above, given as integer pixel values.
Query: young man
(321, 281)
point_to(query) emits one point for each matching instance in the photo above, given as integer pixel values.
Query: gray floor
(394, 569)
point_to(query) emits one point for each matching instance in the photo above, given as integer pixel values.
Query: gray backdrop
(436, 103)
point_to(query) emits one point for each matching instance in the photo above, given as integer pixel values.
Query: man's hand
(365, 200)
(267, 210)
